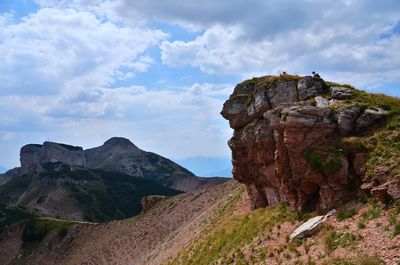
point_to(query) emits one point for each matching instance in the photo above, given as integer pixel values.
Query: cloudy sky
(158, 72)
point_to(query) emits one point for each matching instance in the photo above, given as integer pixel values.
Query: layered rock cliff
(289, 138)
(32, 155)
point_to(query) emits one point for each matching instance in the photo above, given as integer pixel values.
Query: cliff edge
(311, 143)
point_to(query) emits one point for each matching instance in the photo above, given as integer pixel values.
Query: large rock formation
(32, 155)
(286, 141)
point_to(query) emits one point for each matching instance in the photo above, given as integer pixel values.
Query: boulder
(341, 92)
(281, 92)
(387, 191)
(310, 227)
(235, 110)
(309, 87)
(321, 102)
(347, 119)
(369, 117)
(394, 188)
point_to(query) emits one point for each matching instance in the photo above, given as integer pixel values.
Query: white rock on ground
(310, 227)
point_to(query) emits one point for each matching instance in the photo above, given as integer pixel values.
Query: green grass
(396, 231)
(384, 145)
(114, 196)
(336, 239)
(374, 212)
(37, 230)
(346, 214)
(359, 260)
(361, 225)
(13, 215)
(325, 158)
(225, 240)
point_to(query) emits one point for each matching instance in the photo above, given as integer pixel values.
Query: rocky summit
(32, 155)
(295, 140)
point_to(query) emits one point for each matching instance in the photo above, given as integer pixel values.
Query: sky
(158, 72)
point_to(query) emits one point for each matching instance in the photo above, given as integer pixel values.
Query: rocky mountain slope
(116, 155)
(121, 155)
(211, 226)
(312, 143)
(76, 193)
(97, 184)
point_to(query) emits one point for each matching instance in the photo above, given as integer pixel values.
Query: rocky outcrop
(32, 155)
(285, 141)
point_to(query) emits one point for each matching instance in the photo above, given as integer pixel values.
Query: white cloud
(55, 49)
(352, 39)
(176, 123)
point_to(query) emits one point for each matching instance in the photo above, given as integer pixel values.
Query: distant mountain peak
(119, 141)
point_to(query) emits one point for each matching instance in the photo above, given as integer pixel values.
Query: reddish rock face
(283, 145)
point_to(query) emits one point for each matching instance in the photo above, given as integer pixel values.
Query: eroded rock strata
(286, 145)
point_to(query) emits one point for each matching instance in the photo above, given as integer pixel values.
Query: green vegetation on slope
(100, 195)
(232, 232)
(114, 195)
(37, 230)
(11, 215)
(385, 144)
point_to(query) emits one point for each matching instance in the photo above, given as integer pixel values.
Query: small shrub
(361, 225)
(346, 214)
(335, 240)
(372, 213)
(396, 230)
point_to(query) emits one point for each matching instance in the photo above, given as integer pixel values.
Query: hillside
(76, 193)
(212, 226)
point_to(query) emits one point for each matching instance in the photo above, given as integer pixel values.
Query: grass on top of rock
(269, 81)
(225, 241)
(384, 145)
